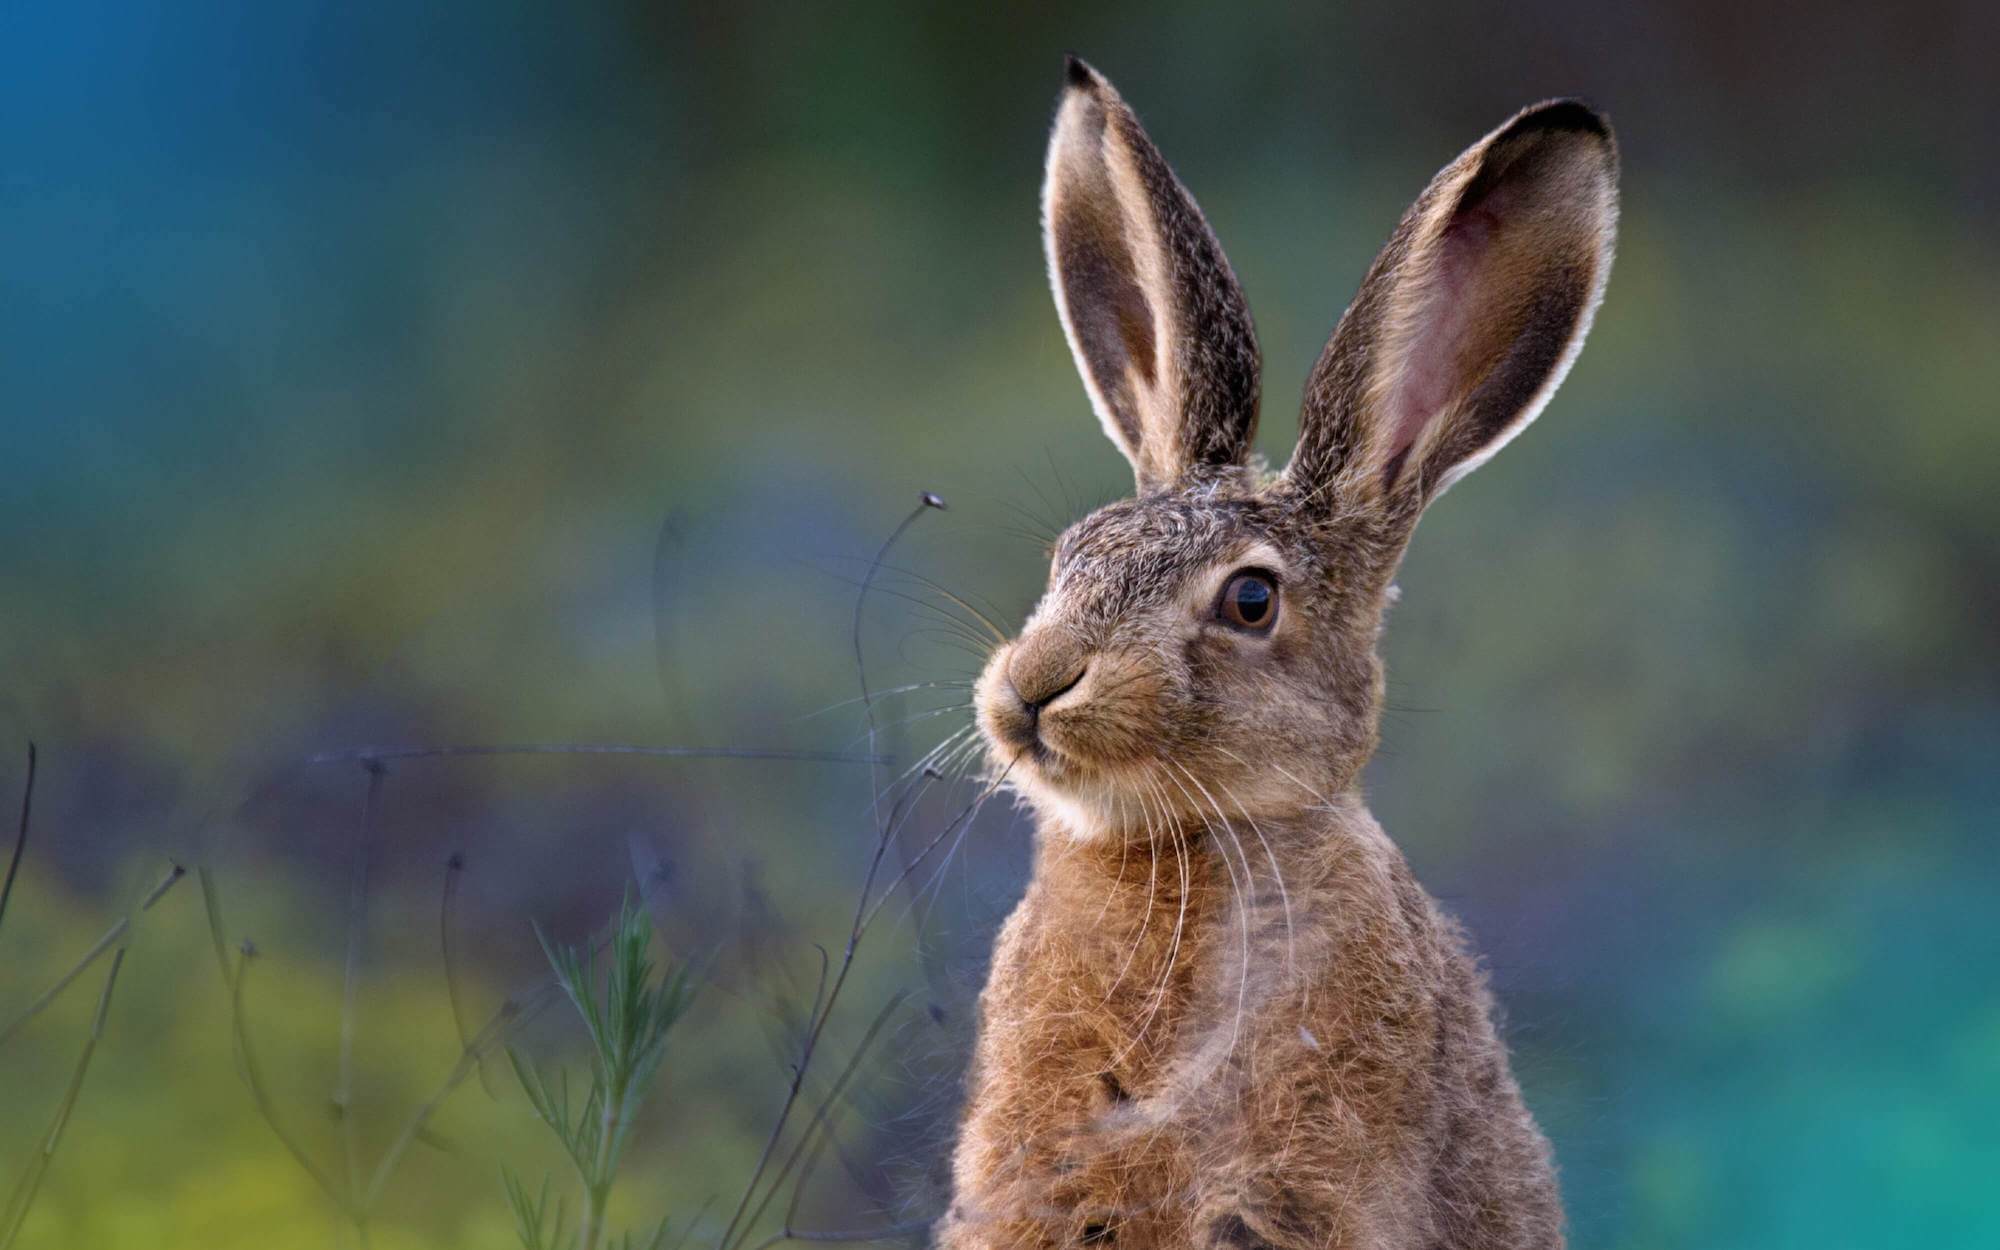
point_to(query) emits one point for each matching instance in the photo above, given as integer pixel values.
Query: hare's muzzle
(1039, 669)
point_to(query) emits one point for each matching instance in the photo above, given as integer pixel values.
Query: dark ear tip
(1567, 114)
(1076, 73)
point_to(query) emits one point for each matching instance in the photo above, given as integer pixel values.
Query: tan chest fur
(1163, 1021)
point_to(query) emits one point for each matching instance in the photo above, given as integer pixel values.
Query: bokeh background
(384, 374)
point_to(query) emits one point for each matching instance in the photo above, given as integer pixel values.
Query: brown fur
(1224, 1014)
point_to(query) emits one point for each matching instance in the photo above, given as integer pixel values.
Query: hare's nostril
(1038, 694)
(1067, 686)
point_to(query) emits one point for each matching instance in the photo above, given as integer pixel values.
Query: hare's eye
(1250, 602)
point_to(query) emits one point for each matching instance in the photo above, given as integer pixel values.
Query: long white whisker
(1242, 899)
(912, 719)
(882, 694)
(924, 761)
(938, 588)
(957, 824)
(1152, 881)
(1182, 854)
(936, 880)
(936, 612)
(1124, 848)
(941, 637)
(1325, 802)
(999, 635)
(1284, 896)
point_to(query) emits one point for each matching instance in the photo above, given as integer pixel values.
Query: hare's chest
(1085, 1110)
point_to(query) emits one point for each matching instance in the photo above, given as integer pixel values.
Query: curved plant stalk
(253, 1074)
(359, 1197)
(115, 936)
(23, 1198)
(750, 1205)
(20, 836)
(454, 870)
(819, 1129)
(350, 986)
(358, 1203)
(116, 939)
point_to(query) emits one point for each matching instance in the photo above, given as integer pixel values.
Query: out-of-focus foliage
(540, 372)
(627, 1016)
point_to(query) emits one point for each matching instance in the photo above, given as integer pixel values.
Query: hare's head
(1209, 646)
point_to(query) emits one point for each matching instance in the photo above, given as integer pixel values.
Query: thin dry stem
(109, 938)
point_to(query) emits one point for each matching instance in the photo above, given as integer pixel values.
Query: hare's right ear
(1152, 311)
(1467, 321)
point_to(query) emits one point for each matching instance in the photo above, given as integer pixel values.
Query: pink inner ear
(1436, 362)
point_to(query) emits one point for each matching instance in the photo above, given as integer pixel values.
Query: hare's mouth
(1089, 800)
(1053, 764)
(1026, 753)
(1066, 749)
(1030, 755)
(1065, 731)
(1046, 760)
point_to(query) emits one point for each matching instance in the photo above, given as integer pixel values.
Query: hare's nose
(1043, 670)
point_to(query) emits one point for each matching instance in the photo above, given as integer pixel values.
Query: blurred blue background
(521, 372)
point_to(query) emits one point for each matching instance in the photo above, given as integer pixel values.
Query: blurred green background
(532, 372)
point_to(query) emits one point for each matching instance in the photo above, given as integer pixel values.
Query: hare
(1225, 1014)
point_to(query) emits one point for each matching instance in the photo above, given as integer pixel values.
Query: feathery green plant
(627, 1014)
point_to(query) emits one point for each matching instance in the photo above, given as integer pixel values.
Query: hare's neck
(1124, 872)
(1137, 925)
(1158, 893)
(1254, 848)
(1121, 946)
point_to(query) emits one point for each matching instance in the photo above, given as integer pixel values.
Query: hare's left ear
(1159, 327)
(1467, 321)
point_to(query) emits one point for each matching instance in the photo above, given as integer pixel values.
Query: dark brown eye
(1250, 601)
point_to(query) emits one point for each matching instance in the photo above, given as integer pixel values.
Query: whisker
(1284, 896)
(1062, 483)
(913, 719)
(954, 636)
(1152, 893)
(922, 763)
(1045, 543)
(917, 600)
(934, 885)
(1326, 804)
(965, 817)
(1159, 991)
(883, 694)
(950, 769)
(1035, 486)
(1242, 902)
(938, 587)
(940, 618)
(1124, 847)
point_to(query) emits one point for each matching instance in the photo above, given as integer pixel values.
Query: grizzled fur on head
(1461, 331)
(1224, 1014)
(1131, 590)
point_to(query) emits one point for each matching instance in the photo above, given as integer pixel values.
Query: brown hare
(1225, 1014)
